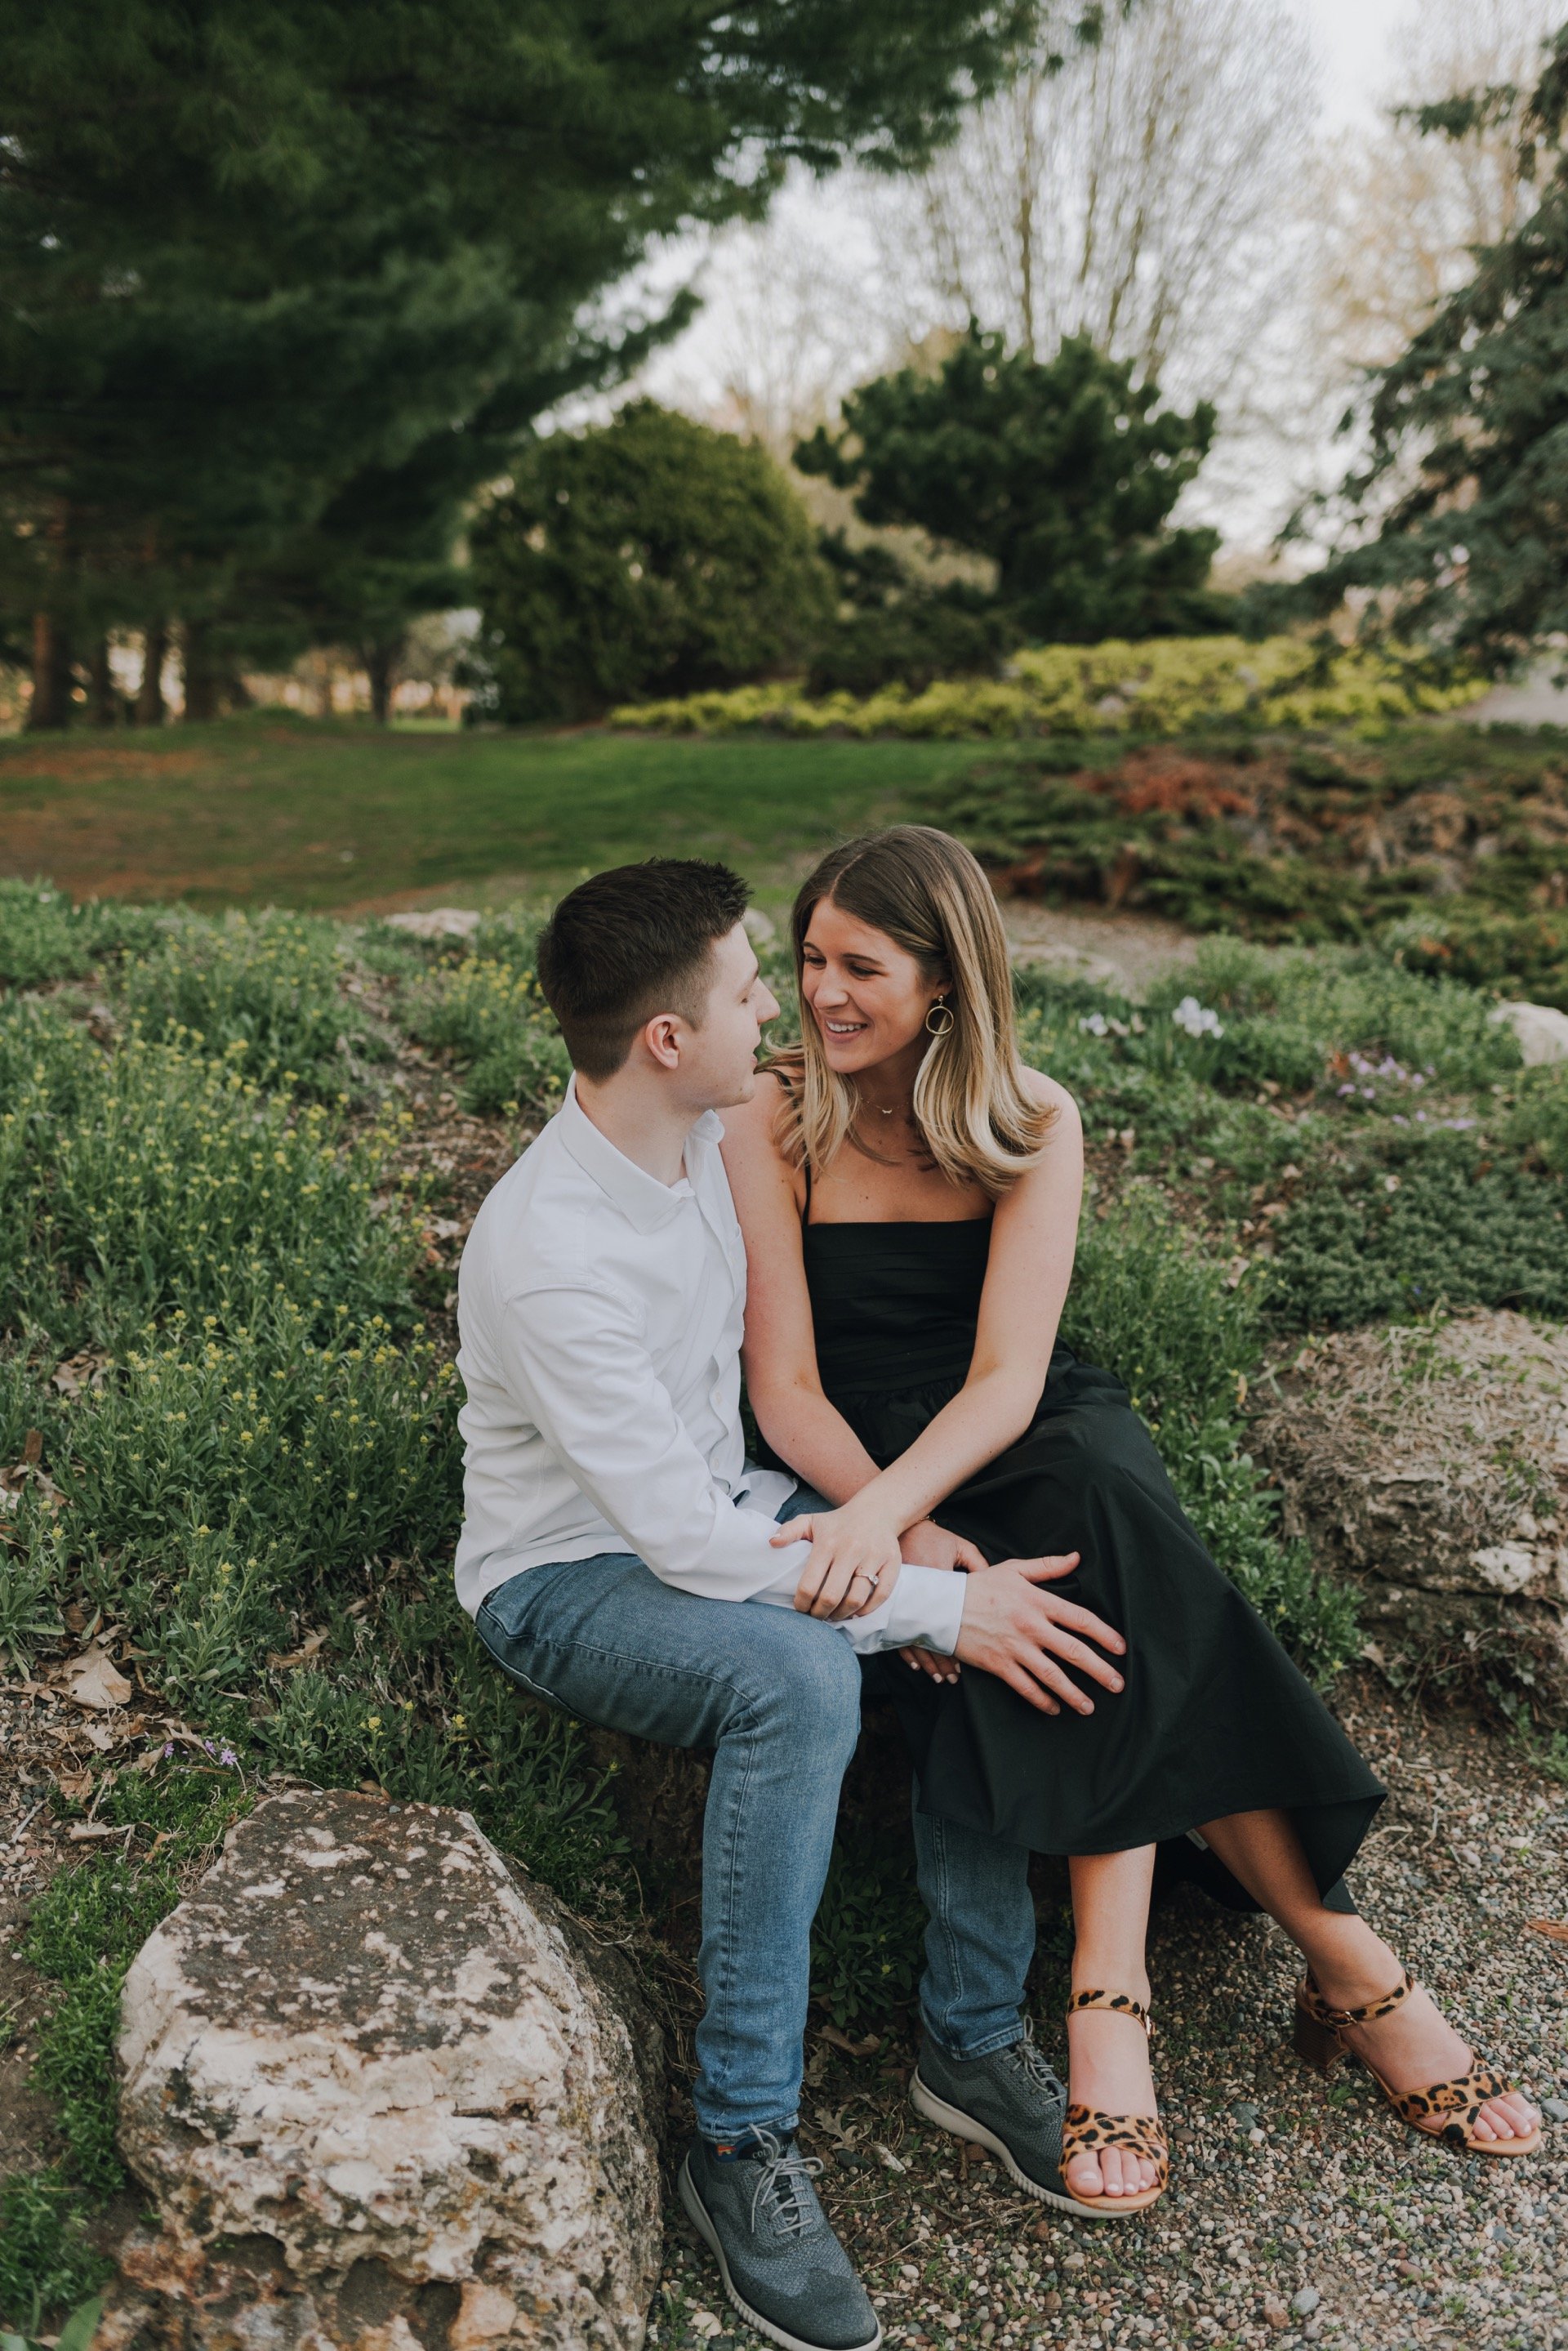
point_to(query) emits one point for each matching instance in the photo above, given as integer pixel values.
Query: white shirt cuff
(925, 1611)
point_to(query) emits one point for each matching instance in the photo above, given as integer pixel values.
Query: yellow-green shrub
(1162, 687)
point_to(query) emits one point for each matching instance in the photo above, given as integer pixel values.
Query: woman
(909, 1194)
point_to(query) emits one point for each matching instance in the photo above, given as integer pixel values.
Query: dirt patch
(1126, 952)
(99, 764)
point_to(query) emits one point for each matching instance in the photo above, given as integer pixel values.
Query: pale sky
(1351, 37)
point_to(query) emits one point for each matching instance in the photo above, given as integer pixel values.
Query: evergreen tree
(252, 255)
(651, 557)
(1064, 473)
(1464, 493)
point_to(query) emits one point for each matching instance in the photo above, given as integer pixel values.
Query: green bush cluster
(1365, 1133)
(490, 1013)
(154, 1177)
(1163, 686)
(43, 936)
(273, 995)
(651, 555)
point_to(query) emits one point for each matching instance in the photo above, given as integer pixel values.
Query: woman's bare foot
(1108, 2067)
(1415, 2046)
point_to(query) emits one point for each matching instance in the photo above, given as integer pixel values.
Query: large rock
(382, 2097)
(1431, 1467)
(1541, 1030)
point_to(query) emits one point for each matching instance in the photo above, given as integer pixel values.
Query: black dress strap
(805, 1212)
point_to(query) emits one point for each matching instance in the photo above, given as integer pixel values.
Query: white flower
(1093, 1024)
(1197, 1018)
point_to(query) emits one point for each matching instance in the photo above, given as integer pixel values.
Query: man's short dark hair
(629, 943)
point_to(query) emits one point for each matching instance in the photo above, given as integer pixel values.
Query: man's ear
(661, 1037)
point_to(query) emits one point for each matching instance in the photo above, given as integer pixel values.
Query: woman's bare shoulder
(1051, 1095)
(753, 1126)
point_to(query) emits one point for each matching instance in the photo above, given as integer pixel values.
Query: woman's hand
(854, 1565)
(933, 1663)
(925, 1544)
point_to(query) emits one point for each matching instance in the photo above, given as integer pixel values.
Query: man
(612, 1525)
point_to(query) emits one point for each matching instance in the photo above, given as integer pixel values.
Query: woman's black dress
(1214, 1717)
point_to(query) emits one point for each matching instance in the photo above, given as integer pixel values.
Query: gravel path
(1300, 2211)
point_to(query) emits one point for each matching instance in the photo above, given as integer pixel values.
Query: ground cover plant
(228, 1452)
(1163, 686)
(1453, 842)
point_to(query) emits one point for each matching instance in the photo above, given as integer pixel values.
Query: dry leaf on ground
(841, 2040)
(93, 1680)
(1556, 1928)
(300, 1656)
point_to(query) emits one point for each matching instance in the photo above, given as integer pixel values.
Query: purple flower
(227, 1757)
(168, 1749)
(1346, 1090)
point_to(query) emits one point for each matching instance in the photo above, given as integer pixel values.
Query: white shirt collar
(641, 1199)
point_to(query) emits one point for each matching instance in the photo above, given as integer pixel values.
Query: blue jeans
(776, 1695)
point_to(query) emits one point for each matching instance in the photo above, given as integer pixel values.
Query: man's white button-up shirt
(600, 1313)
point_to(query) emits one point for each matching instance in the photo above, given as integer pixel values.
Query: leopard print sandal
(1320, 2043)
(1087, 2129)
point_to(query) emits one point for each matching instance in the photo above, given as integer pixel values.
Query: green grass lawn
(271, 809)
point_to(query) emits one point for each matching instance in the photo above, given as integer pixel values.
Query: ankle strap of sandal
(1121, 2003)
(1318, 2008)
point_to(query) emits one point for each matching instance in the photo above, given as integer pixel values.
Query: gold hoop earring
(948, 1023)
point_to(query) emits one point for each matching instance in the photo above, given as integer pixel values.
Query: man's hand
(1013, 1630)
(854, 1565)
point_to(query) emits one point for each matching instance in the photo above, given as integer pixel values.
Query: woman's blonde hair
(924, 890)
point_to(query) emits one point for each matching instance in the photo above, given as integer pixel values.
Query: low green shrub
(47, 2261)
(154, 1177)
(1162, 687)
(1522, 954)
(491, 1014)
(866, 1958)
(1537, 1125)
(271, 995)
(1298, 1019)
(1407, 1219)
(43, 936)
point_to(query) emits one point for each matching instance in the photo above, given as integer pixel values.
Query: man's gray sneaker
(783, 2269)
(1010, 2102)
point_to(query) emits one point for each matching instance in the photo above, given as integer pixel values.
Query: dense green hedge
(1158, 687)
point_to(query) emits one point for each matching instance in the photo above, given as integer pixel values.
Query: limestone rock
(382, 2098)
(437, 921)
(1432, 1467)
(1541, 1032)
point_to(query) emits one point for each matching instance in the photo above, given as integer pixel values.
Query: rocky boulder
(382, 2096)
(1431, 1467)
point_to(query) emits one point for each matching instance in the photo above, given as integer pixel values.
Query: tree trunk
(203, 686)
(149, 709)
(378, 666)
(51, 703)
(381, 668)
(103, 694)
